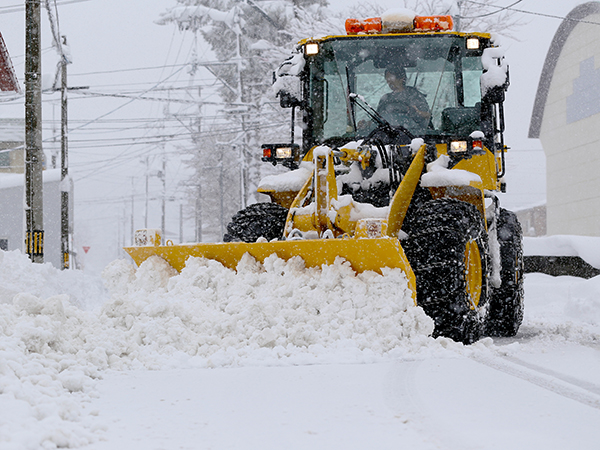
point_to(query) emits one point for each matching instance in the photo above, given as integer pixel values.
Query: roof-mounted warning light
(399, 24)
(367, 26)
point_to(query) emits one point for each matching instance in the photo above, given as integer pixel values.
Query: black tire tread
(507, 302)
(258, 220)
(439, 232)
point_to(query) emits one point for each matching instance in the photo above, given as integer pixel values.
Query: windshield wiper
(381, 123)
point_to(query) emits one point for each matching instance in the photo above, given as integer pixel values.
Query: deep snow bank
(18, 275)
(52, 346)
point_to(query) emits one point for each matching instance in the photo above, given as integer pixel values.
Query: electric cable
(504, 8)
(18, 8)
(551, 16)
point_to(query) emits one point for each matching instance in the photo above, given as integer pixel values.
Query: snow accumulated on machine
(401, 154)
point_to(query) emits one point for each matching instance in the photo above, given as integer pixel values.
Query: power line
(504, 8)
(126, 103)
(522, 11)
(135, 69)
(139, 97)
(18, 8)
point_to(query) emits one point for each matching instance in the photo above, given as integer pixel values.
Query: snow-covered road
(122, 376)
(460, 402)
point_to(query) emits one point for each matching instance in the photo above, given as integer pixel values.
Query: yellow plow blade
(362, 254)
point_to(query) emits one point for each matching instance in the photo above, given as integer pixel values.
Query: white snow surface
(397, 19)
(495, 68)
(279, 313)
(288, 181)
(439, 175)
(288, 75)
(280, 356)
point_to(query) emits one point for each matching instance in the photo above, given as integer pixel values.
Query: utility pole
(64, 165)
(34, 206)
(457, 17)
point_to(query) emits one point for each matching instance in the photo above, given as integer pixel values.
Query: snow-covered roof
(8, 78)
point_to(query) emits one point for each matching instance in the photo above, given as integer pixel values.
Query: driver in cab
(405, 105)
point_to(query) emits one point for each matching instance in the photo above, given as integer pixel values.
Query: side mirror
(288, 100)
(495, 78)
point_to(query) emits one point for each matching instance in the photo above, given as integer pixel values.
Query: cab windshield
(441, 85)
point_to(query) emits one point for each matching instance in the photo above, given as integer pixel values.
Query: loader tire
(258, 220)
(506, 302)
(447, 249)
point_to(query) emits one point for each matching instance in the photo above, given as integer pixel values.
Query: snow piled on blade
(53, 347)
(262, 313)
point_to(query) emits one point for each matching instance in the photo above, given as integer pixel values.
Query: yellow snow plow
(407, 184)
(367, 244)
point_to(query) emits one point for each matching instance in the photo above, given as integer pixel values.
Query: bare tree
(249, 39)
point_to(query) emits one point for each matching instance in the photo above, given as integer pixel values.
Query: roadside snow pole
(34, 213)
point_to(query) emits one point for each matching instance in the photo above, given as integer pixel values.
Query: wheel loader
(410, 186)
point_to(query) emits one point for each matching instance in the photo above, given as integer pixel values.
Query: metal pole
(132, 210)
(241, 98)
(199, 214)
(181, 223)
(64, 167)
(458, 16)
(34, 206)
(146, 210)
(164, 196)
(221, 198)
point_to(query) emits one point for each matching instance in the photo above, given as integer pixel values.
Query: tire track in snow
(591, 387)
(558, 383)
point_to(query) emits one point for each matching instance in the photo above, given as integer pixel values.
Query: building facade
(566, 118)
(12, 196)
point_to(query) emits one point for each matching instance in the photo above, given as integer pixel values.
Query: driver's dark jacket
(395, 107)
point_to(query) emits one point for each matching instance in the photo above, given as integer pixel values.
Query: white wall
(570, 134)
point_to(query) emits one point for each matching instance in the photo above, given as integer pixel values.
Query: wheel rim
(473, 272)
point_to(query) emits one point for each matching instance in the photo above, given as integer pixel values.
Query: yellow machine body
(322, 225)
(367, 244)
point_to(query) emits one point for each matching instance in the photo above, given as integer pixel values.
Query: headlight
(312, 48)
(472, 43)
(284, 152)
(458, 146)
